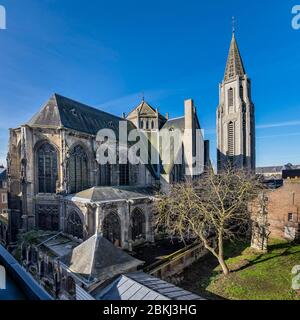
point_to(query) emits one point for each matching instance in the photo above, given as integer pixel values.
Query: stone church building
(235, 116)
(56, 184)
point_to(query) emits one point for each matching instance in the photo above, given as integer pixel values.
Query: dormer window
(74, 112)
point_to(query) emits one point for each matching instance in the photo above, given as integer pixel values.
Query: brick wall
(284, 209)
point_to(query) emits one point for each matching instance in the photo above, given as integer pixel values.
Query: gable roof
(98, 259)
(144, 109)
(60, 111)
(234, 65)
(141, 286)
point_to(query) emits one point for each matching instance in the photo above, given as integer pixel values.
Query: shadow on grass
(201, 273)
(269, 255)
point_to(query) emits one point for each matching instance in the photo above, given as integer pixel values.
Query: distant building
(274, 175)
(3, 206)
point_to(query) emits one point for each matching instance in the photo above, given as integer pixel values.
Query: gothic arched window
(74, 225)
(47, 217)
(138, 224)
(105, 175)
(78, 170)
(152, 124)
(241, 92)
(112, 228)
(230, 99)
(230, 139)
(47, 168)
(124, 174)
(147, 125)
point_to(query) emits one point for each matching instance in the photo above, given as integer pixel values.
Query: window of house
(47, 168)
(290, 217)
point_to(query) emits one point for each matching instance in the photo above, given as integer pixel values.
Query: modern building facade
(235, 116)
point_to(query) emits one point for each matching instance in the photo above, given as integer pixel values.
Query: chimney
(167, 115)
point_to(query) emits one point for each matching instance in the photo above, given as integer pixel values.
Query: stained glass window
(78, 170)
(47, 168)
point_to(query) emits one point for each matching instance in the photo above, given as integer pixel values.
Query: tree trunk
(221, 255)
(223, 265)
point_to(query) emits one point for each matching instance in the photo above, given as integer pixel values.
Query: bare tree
(213, 209)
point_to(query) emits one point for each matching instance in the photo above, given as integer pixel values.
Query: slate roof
(176, 123)
(3, 174)
(234, 64)
(141, 286)
(97, 259)
(276, 169)
(60, 111)
(271, 169)
(108, 194)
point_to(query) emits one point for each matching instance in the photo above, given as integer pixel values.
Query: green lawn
(253, 276)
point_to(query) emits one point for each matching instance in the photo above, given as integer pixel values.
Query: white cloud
(278, 124)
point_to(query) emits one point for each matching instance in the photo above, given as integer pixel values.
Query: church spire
(234, 64)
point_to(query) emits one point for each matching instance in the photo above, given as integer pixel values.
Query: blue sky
(106, 53)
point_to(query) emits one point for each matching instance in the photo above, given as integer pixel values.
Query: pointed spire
(234, 64)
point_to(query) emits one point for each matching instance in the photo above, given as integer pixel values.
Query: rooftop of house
(142, 286)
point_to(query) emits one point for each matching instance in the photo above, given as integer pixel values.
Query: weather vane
(233, 24)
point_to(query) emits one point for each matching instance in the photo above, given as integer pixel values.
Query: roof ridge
(59, 96)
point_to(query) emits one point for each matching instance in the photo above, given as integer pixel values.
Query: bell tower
(235, 115)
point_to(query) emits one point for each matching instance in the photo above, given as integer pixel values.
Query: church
(83, 211)
(56, 183)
